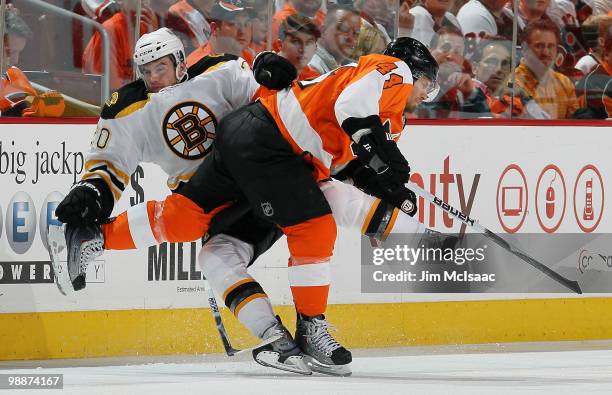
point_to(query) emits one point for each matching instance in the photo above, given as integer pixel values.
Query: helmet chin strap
(181, 76)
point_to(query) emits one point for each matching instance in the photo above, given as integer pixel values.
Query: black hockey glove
(82, 206)
(273, 71)
(368, 181)
(404, 199)
(375, 148)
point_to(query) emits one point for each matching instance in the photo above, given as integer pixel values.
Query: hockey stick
(229, 350)
(572, 285)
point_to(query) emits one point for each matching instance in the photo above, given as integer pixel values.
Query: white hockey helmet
(156, 45)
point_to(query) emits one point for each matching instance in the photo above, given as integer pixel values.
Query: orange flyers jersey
(308, 73)
(310, 113)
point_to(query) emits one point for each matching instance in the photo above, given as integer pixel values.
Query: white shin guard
(224, 260)
(351, 208)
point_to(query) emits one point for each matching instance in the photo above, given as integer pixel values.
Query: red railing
(445, 122)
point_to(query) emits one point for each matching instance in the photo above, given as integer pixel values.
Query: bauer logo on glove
(407, 206)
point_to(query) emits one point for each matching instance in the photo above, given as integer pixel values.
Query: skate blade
(294, 364)
(330, 370)
(59, 261)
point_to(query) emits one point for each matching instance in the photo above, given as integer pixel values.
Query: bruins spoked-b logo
(189, 129)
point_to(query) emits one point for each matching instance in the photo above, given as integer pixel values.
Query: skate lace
(285, 342)
(321, 337)
(90, 250)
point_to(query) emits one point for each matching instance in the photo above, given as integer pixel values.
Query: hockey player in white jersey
(129, 132)
(224, 254)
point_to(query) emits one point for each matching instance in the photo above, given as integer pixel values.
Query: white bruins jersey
(174, 128)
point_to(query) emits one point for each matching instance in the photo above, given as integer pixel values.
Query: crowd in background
(562, 66)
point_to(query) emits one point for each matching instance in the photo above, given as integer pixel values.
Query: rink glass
(53, 57)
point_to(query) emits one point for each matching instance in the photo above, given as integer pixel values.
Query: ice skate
(283, 354)
(71, 248)
(323, 353)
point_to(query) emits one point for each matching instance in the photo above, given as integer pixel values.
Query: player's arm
(112, 156)
(382, 90)
(241, 86)
(380, 168)
(109, 161)
(273, 71)
(364, 178)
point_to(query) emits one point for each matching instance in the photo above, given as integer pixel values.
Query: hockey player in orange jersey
(285, 191)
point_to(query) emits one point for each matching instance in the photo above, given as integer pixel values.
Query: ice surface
(542, 368)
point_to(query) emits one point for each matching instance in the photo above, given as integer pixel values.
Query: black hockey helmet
(416, 55)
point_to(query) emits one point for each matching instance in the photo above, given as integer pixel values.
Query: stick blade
(574, 286)
(263, 343)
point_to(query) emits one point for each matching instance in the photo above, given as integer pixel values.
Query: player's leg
(224, 260)
(378, 219)
(238, 238)
(279, 186)
(182, 217)
(140, 226)
(353, 208)
(154, 222)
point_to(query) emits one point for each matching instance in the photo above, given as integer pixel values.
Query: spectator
(571, 42)
(114, 21)
(373, 12)
(459, 95)
(16, 36)
(259, 24)
(338, 39)
(457, 4)
(406, 19)
(18, 97)
(595, 89)
(493, 64)
(583, 11)
(230, 32)
(553, 91)
(373, 36)
(574, 46)
(297, 42)
(189, 19)
(430, 17)
(370, 40)
(587, 63)
(563, 13)
(486, 18)
(530, 11)
(246, 39)
(599, 7)
(309, 8)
